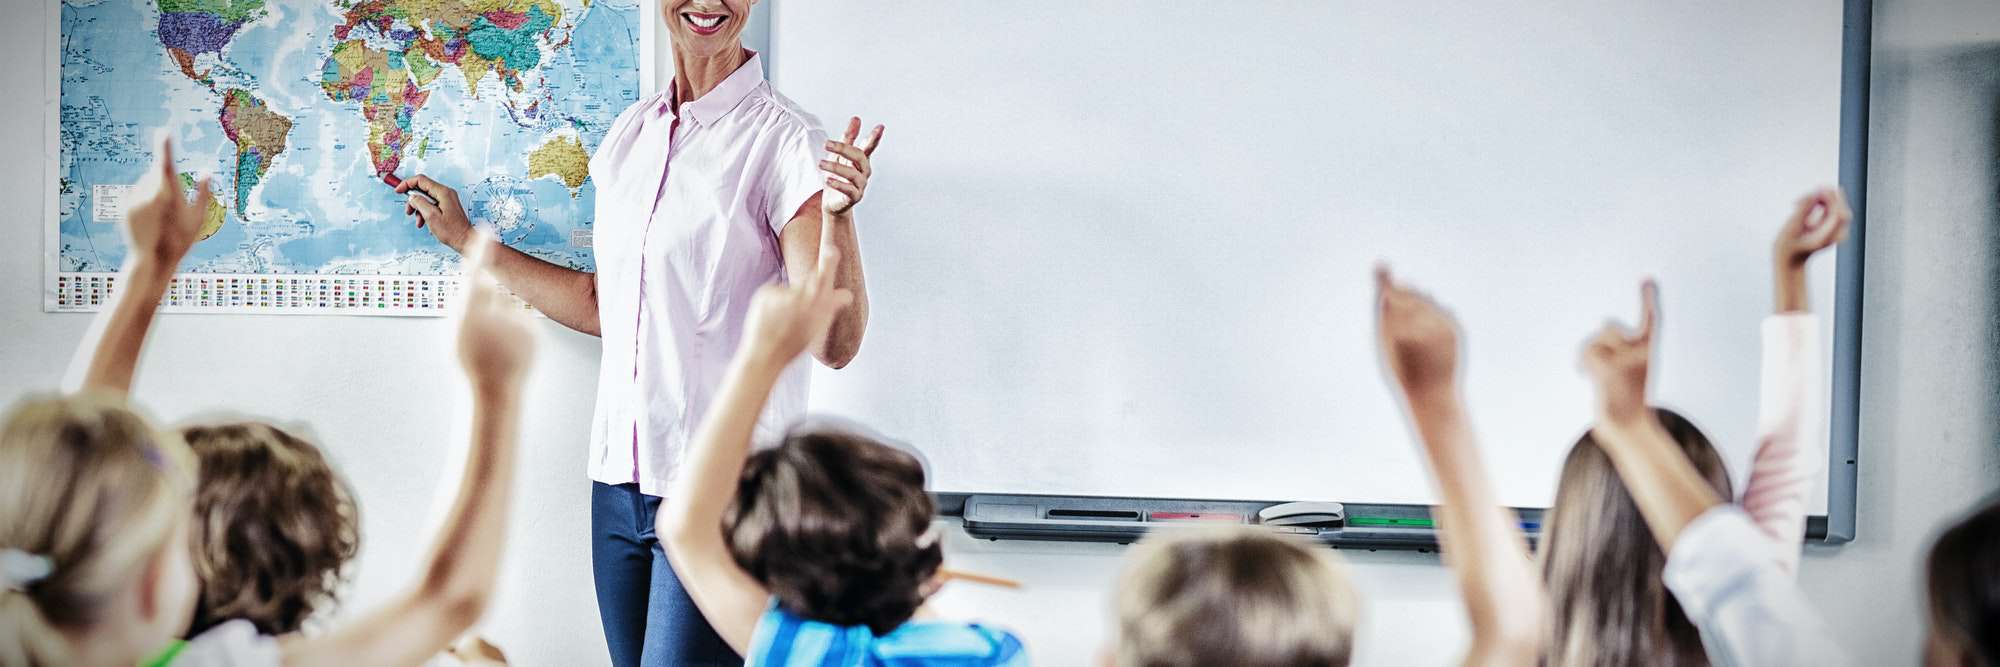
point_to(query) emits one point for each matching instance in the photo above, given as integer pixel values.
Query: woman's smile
(704, 24)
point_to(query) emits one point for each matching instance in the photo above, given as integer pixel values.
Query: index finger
(169, 182)
(853, 128)
(1649, 316)
(874, 140)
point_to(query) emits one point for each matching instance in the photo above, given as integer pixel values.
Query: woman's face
(704, 28)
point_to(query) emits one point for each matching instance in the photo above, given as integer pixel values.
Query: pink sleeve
(1791, 433)
(795, 175)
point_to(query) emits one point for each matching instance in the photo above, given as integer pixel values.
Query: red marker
(391, 180)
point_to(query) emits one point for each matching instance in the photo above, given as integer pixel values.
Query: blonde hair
(1234, 596)
(96, 491)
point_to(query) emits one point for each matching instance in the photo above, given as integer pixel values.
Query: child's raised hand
(1618, 362)
(1418, 339)
(1819, 221)
(786, 319)
(160, 230)
(495, 341)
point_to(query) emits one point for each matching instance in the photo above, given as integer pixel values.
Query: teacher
(705, 192)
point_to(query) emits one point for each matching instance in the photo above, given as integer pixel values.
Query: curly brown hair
(274, 527)
(837, 526)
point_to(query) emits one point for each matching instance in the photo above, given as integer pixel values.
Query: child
(94, 504)
(1482, 540)
(1233, 596)
(820, 551)
(55, 570)
(1602, 569)
(274, 528)
(1964, 582)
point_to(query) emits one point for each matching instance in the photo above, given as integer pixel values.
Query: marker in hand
(392, 181)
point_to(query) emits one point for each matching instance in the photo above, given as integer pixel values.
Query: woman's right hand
(445, 218)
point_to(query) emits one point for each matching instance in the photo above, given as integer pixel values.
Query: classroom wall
(380, 393)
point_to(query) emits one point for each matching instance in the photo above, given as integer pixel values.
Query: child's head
(93, 533)
(1964, 582)
(274, 527)
(1233, 596)
(838, 527)
(1602, 565)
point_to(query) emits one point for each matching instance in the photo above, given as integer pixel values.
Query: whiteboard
(1123, 248)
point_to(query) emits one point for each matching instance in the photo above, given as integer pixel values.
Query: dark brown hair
(1964, 582)
(837, 526)
(1602, 565)
(274, 528)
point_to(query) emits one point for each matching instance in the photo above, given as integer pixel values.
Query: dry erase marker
(391, 180)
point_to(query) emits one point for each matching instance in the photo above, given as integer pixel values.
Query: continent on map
(260, 135)
(193, 28)
(563, 157)
(477, 36)
(211, 219)
(390, 87)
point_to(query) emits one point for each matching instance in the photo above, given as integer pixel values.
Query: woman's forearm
(565, 295)
(843, 340)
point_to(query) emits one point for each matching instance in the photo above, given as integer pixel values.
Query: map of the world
(295, 109)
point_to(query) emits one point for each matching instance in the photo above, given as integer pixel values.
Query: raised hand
(495, 341)
(1418, 339)
(441, 212)
(160, 230)
(785, 320)
(847, 171)
(1619, 361)
(1819, 221)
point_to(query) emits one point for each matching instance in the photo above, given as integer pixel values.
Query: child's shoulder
(232, 644)
(783, 638)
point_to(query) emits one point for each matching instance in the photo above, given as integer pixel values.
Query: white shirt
(689, 212)
(232, 644)
(1749, 609)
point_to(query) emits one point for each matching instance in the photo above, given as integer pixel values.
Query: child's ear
(931, 585)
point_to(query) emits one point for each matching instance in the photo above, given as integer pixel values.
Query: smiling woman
(706, 191)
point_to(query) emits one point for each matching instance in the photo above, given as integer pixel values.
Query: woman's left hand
(848, 169)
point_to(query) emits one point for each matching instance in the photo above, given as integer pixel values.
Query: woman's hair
(1602, 565)
(1234, 596)
(838, 527)
(93, 492)
(274, 528)
(1964, 582)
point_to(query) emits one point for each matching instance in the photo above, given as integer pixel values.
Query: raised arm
(496, 346)
(827, 222)
(1418, 342)
(565, 295)
(158, 233)
(1669, 491)
(784, 322)
(1791, 420)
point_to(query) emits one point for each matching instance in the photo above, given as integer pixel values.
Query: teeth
(709, 22)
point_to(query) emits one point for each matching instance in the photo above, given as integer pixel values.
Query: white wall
(1930, 390)
(1928, 426)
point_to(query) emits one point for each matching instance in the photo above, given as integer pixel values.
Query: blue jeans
(649, 620)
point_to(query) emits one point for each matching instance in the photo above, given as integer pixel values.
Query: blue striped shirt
(786, 640)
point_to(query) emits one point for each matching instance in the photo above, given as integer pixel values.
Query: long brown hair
(1964, 582)
(274, 528)
(1602, 565)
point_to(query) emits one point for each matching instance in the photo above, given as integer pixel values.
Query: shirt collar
(726, 95)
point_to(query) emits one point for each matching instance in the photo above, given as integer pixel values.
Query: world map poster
(295, 109)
